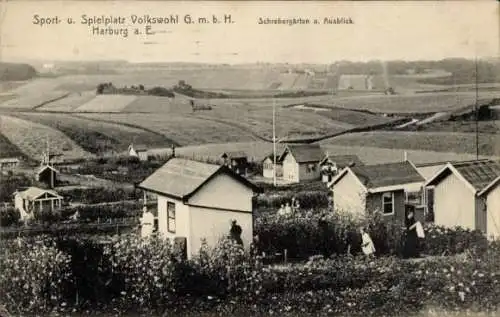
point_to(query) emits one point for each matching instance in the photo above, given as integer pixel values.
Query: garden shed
(198, 201)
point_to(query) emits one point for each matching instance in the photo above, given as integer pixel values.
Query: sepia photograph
(258, 158)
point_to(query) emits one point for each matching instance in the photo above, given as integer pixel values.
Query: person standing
(353, 241)
(410, 249)
(147, 221)
(235, 232)
(366, 243)
(324, 236)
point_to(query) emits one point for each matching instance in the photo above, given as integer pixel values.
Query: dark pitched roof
(181, 178)
(234, 154)
(43, 168)
(389, 174)
(446, 162)
(304, 153)
(343, 160)
(478, 173)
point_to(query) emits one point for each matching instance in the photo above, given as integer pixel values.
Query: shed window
(388, 203)
(171, 217)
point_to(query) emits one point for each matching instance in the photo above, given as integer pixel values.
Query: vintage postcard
(260, 158)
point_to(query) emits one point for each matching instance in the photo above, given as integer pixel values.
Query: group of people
(289, 208)
(360, 241)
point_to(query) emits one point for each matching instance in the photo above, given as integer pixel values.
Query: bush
(445, 241)
(9, 216)
(34, 275)
(307, 199)
(96, 195)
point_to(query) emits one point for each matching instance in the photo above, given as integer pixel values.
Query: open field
(106, 103)
(184, 130)
(32, 100)
(69, 103)
(368, 154)
(31, 138)
(7, 149)
(356, 118)
(417, 103)
(94, 136)
(492, 127)
(432, 141)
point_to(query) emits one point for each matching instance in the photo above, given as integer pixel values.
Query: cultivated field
(432, 141)
(32, 100)
(492, 127)
(69, 103)
(94, 136)
(184, 130)
(31, 138)
(106, 103)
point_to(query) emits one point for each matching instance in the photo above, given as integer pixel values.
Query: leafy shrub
(444, 241)
(9, 216)
(96, 195)
(10, 183)
(307, 199)
(34, 275)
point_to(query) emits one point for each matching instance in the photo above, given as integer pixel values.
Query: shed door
(481, 215)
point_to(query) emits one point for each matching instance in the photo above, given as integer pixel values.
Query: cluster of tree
(14, 71)
(183, 88)
(109, 88)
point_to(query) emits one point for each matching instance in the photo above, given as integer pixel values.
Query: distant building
(47, 175)
(301, 162)
(356, 82)
(9, 164)
(382, 187)
(267, 166)
(465, 194)
(237, 161)
(35, 199)
(140, 151)
(198, 201)
(330, 165)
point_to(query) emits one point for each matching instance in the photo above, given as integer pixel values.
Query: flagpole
(476, 113)
(274, 142)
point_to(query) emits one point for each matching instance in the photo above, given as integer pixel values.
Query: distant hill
(14, 71)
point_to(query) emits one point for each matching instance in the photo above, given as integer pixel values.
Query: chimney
(173, 150)
(405, 156)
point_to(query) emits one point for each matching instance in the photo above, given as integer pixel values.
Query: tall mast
(477, 111)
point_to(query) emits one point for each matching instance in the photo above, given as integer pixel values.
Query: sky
(406, 30)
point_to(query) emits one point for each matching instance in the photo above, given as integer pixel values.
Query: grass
(70, 103)
(492, 127)
(415, 103)
(356, 118)
(32, 100)
(106, 103)
(94, 136)
(7, 149)
(31, 138)
(184, 130)
(430, 141)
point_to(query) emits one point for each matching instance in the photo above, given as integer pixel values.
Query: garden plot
(69, 103)
(106, 103)
(31, 138)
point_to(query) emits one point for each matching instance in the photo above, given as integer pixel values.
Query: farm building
(355, 82)
(301, 162)
(267, 166)
(193, 202)
(332, 164)
(36, 199)
(383, 187)
(9, 164)
(47, 175)
(140, 151)
(237, 161)
(461, 193)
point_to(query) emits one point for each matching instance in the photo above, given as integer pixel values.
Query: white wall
(493, 212)
(290, 169)
(428, 171)
(454, 203)
(224, 192)
(182, 228)
(348, 195)
(214, 224)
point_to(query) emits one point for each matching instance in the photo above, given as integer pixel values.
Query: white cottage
(36, 199)
(198, 201)
(465, 195)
